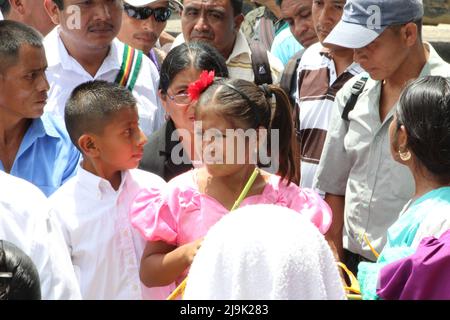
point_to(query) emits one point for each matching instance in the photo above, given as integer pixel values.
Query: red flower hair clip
(203, 82)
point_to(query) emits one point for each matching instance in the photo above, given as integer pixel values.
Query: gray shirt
(357, 163)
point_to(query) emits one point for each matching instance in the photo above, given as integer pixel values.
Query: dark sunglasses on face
(142, 13)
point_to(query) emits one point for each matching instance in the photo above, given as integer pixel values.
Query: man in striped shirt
(321, 73)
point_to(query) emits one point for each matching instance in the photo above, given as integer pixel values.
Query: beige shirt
(356, 162)
(239, 62)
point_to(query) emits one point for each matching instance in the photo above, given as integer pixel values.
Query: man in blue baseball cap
(364, 186)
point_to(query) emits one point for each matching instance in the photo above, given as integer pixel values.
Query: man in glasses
(143, 21)
(83, 48)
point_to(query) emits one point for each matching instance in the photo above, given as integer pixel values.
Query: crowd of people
(261, 150)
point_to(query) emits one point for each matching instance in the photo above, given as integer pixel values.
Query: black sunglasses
(142, 13)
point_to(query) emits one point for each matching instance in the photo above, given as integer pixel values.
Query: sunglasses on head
(142, 13)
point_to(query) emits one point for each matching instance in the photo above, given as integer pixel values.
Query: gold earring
(405, 156)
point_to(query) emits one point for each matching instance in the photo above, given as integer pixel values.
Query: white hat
(174, 5)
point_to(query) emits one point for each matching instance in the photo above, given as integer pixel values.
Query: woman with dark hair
(420, 140)
(169, 151)
(19, 278)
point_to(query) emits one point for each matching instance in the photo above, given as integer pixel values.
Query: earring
(405, 156)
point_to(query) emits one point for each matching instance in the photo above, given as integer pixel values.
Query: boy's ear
(88, 145)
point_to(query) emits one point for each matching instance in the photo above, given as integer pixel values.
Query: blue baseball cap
(364, 20)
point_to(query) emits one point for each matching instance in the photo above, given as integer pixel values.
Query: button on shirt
(356, 162)
(64, 73)
(317, 87)
(46, 155)
(25, 222)
(104, 247)
(239, 62)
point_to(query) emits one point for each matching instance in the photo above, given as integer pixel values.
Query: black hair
(92, 104)
(424, 110)
(13, 35)
(59, 4)
(19, 278)
(197, 54)
(237, 6)
(279, 2)
(5, 7)
(246, 105)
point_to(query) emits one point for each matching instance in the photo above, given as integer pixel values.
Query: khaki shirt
(357, 163)
(239, 62)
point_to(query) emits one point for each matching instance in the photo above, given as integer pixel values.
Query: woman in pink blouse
(175, 222)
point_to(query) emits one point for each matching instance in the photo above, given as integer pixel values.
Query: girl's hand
(190, 250)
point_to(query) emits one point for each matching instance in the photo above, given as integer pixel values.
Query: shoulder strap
(266, 32)
(131, 65)
(287, 82)
(260, 63)
(357, 88)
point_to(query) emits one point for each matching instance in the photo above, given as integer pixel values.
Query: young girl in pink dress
(175, 222)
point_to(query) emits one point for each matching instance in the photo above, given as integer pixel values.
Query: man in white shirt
(218, 22)
(83, 48)
(25, 221)
(93, 206)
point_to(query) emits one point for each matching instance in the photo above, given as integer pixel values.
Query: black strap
(260, 63)
(266, 32)
(357, 88)
(287, 82)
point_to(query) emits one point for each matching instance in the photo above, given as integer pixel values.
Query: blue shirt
(284, 45)
(400, 237)
(46, 156)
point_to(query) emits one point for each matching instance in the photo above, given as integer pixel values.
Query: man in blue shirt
(33, 146)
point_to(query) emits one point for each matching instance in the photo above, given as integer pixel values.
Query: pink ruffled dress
(181, 214)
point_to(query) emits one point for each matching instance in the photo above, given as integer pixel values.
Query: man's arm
(334, 234)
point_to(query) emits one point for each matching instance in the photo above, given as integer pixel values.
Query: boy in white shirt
(92, 207)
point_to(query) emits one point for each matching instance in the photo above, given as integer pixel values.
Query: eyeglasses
(142, 13)
(181, 99)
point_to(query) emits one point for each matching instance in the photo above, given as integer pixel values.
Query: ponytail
(289, 159)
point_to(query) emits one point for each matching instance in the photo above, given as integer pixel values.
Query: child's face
(121, 145)
(225, 150)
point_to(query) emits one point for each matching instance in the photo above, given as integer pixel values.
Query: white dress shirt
(64, 73)
(105, 249)
(25, 222)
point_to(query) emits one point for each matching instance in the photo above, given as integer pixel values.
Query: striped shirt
(239, 62)
(317, 87)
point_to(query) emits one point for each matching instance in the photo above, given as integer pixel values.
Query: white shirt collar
(240, 47)
(99, 185)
